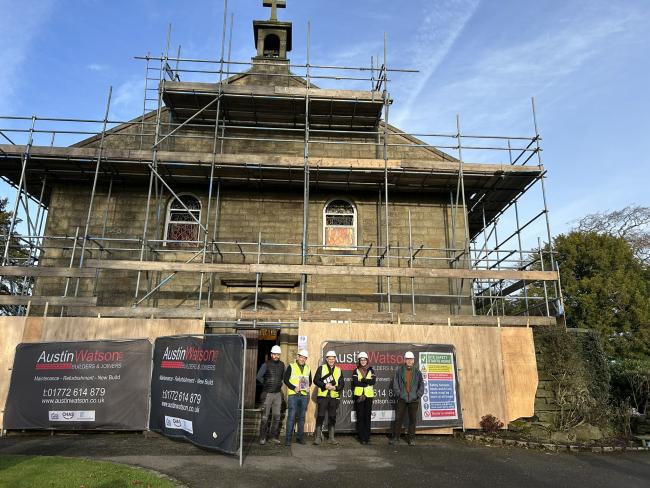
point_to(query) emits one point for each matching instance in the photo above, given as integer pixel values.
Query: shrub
(490, 424)
(631, 383)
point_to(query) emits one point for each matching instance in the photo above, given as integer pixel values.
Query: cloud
(434, 39)
(97, 67)
(20, 26)
(127, 100)
(545, 64)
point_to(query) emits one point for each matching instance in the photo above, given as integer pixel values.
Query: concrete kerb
(498, 441)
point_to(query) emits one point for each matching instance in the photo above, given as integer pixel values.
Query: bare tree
(632, 223)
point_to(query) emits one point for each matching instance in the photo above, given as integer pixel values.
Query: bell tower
(272, 37)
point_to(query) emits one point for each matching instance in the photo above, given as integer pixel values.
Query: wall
(241, 216)
(497, 366)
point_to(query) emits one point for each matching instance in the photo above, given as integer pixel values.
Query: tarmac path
(435, 461)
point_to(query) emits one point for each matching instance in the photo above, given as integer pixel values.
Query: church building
(257, 202)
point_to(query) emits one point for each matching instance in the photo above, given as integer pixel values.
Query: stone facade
(243, 216)
(244, 212)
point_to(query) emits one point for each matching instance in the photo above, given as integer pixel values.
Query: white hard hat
(409, 355)
(276, 350)
(303, 352)
(362, 355)
(330, 354)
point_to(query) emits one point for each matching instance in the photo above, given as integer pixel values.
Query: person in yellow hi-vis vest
(363, 391)
(297, 379)
(329, 380)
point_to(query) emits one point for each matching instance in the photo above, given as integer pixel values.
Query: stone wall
(242, 216)
(572, 393)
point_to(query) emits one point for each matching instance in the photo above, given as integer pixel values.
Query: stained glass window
(340, 226)
(183, 220)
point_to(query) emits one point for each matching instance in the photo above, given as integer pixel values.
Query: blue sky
(585, 62)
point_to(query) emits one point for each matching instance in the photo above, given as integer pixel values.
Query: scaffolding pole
(23, 172)
(154, 158)
(214, 152)
(94, 189)
(305, 212)
(548, 223)
(411, 264)
(386, 99)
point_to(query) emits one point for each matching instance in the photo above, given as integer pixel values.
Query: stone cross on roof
(275, 5)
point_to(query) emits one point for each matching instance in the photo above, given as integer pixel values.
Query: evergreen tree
(606, 288)
(18, 254)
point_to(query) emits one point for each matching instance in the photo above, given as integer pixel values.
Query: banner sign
(90, 385)
(196, 389)
(440, 404)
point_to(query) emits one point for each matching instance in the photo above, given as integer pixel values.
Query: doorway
(267, 338)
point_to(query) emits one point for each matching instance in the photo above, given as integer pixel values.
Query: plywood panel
(33, 331)
(520, 371)
(479, 353)
(11, 331)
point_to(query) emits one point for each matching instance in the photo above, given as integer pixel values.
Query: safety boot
(332, 438)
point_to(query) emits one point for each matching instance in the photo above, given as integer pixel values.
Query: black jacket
(270, 375)
(321, 379)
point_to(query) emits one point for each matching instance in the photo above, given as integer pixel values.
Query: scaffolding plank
(294, 316)
(324, 270)
(42, 300)
(41, 271)
(200, 158)
(261, 91)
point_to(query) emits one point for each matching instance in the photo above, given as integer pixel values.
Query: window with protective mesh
(340, 224)
(183, 219)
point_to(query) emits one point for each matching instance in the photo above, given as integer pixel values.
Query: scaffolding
(502, 281)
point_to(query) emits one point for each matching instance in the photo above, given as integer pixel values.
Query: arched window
(339, 224)
(272, 46)
(182, 224)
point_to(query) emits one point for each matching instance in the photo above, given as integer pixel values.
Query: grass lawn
(59, 472)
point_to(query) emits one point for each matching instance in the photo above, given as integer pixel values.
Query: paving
(434, 461)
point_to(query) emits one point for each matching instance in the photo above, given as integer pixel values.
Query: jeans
(297, 407)
(272, 406)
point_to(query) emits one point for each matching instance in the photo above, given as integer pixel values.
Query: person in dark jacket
(270, 376)
(363, 392)
(408, 388)
(329, 380)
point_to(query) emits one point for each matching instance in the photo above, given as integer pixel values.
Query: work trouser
(326, 406)
(400, 409)
(363, 409)
(272, 405)
(296, 413)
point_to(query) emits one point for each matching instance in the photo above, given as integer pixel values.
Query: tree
(17, 255)
(606, 288)
(632, 223)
